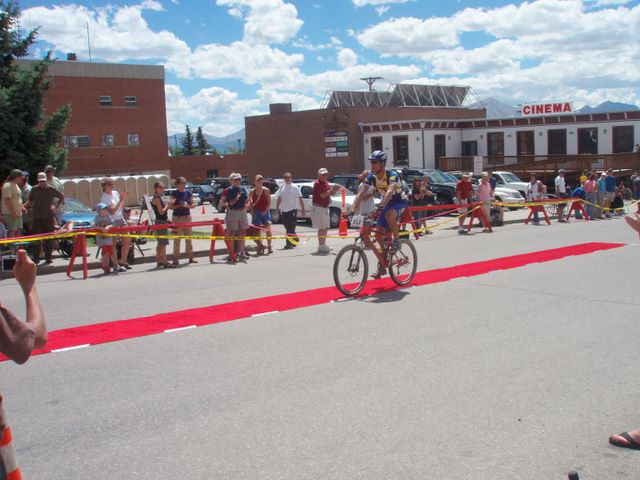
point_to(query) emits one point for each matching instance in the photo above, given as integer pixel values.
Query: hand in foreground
(25, 271)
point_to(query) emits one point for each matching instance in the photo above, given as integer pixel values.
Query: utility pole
(370, 81)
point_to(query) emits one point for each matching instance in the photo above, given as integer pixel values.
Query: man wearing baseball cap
(320, 200)
(12, 208)
(40, 199)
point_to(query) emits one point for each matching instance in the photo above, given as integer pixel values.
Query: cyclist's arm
(389, 194)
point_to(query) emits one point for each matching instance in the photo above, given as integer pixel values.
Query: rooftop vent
(71, 57)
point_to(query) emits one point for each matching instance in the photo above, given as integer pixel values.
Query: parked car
(347, 180)
(440, 183)
(77, 212)
(511, 180)
(335, 207)
(205, 192)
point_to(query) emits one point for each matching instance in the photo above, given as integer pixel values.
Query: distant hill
(497, 109)
(608, 107)
(221, 144)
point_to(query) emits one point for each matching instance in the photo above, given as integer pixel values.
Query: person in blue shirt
(579, 192)
(389, 185)
(610, 184)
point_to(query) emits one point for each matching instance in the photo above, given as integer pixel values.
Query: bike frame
(366, 234)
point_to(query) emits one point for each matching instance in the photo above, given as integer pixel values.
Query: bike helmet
(378, 156)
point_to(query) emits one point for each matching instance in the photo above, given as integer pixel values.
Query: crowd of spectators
(248, 212)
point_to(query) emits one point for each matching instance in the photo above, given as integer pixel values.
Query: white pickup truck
(335, 207)
(511, 180)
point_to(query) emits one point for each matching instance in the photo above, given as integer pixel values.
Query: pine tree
(201, 141)
(187, 142)
(28, 139)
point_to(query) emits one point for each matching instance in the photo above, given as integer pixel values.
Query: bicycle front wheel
(350, 270)
(403, 263)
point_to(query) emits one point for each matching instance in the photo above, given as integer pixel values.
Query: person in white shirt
(367, 205)
(289, 196)
(116, 203)
(535, 190)
(561, 192)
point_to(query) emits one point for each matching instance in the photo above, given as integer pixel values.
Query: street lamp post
(239, 145)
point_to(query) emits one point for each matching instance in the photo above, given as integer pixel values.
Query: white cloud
(116, 34)
(249, 63)
(266, 21)
(347, 57)
(381, 10)
(533, 50)
(409, 36)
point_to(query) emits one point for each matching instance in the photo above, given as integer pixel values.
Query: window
(622, 139)
(587, 140)
(133, 139)
(525, 142)
(105, 100)
(557, 142)
(376, 143)
(212, 173)
(470, 148)
(108, 140)
(77, 141)
(130, 101)
(439, 146)
(401, 150)
(495, 143)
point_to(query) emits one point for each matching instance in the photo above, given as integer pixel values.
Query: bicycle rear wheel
(403, 263)
(350, 270)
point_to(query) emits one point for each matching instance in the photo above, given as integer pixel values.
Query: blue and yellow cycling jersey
(382, 185)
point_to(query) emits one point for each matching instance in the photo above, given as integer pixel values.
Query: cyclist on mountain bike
(394, 200)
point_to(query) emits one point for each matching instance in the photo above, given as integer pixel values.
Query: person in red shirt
(464, 191)
(320, 200)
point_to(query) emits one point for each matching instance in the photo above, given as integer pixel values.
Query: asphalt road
(520, 373)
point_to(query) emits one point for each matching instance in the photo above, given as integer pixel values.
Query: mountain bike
(351, 266)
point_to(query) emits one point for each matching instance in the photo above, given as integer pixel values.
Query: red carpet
(138, 327)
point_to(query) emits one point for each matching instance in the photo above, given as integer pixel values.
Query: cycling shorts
(397, 205)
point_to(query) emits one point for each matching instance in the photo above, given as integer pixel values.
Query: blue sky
(225, 59)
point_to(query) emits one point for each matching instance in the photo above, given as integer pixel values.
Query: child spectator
(104, 221)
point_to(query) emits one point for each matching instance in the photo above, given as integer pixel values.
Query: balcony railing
(546, 165)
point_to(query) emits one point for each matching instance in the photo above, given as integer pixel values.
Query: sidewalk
(201, 247)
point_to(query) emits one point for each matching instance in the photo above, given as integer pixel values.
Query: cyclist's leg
(392, 221)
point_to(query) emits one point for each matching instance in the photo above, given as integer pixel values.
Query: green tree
(186, 142)
(28, 139)
(201, 141)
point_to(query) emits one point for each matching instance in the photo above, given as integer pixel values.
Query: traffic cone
(202, 211)
(342, 228)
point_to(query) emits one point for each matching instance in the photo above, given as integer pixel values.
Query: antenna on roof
(370, 81)
(88, 41)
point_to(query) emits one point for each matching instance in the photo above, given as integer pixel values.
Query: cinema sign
(547, 108)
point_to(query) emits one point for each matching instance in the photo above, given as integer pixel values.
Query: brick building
(332, 136)
(118, 123)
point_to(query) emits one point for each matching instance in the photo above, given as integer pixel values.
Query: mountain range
(227, 144)
(495, 109)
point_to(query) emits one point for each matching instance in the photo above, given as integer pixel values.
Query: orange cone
(342, 228)
(202, 211)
